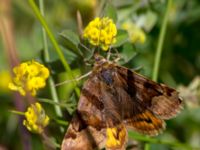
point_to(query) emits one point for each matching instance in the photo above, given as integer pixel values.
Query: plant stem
(47, 59)
(160, 42)
(147, 146)
(53, 41)
(17, 112)
(61, 122)
(44, 35)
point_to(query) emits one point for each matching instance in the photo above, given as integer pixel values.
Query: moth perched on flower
(115, 99)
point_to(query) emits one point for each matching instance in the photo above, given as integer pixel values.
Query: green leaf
(69, 40)
(147, 20)
(127, 53)
(151, 19)
(121, 38)
(111, 12)
(65, 90)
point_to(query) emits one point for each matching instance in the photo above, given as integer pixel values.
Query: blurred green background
(179, 66)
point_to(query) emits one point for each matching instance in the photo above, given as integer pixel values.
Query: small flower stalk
(101, 32)
(29, 77)
(36, 119)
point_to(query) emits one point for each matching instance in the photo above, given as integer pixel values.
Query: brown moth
(115, 99)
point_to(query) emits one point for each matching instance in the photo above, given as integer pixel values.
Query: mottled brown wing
(80, 136)
(146, 123)
(97, 111)
(161, 100)
(137, 101)
(100, 109)
(87, 128)
(122, 95)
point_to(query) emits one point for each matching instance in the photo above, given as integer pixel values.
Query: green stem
(17, 112)
(158, 141)
(61, 122)
(53, 41)
(44, 35)
(147, 146)
(160, 42)
(47, 59)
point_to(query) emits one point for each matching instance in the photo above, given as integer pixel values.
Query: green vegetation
(157, 38)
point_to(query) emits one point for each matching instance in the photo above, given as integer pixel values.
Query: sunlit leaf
(69, 40)
(127, 52)
(111, 12)
(122, 37)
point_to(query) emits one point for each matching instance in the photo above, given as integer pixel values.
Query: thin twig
(17, 112)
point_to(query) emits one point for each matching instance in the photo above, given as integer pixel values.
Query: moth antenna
(99, 60)
(76, 79)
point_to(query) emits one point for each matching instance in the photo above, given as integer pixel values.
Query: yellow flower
(36, 119)
(136, 34)
(101, 32)
(116, 136)
(29, 76)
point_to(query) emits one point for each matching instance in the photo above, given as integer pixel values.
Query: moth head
(99, 60)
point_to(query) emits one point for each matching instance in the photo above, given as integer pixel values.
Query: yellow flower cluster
(115, 136)
(101, 32)
(36, 119)
(136, 34)
(29, 76)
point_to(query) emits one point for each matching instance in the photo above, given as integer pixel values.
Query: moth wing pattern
(87, 126)
(114, 96)
(160, 99)
(132, 110)
(96, 116)
(145, 123)
(142, 104)
(81, 137)
(100, 109)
